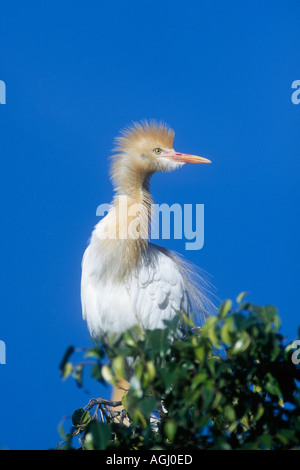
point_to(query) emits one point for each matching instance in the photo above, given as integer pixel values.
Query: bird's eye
(157, 151)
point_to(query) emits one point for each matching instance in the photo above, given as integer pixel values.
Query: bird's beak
(186, 158)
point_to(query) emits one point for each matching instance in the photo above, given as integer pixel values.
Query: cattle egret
(126, 280)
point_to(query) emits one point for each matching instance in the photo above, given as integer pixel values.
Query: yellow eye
(157, 151)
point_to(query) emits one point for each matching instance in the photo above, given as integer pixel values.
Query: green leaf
(107, 375)
(241, 297)
(95, 353)
(227, 331)
(241, 344)
(80, 418)
(286, 436)
(225, 308)
(170, 429)
(67, 370)
(147, 406)
(96, 372)
(118, 364)
(209, 330)
(65, 359)
(150, 372)
(98, 435)
(272, 386)
(129, 339)
(157, 342)
(229, 413)
(77, 374)
(61, 431)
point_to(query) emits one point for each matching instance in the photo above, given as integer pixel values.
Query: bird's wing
(88, 288)
(157, 290)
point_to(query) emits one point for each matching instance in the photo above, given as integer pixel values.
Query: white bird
(126, 280)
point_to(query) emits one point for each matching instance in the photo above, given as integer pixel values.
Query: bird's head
(145, 148)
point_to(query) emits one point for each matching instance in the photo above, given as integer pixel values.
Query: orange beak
(186, 158)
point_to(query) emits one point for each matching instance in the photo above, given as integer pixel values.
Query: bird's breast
(151, 291)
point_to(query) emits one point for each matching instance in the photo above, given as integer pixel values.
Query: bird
(127, 280)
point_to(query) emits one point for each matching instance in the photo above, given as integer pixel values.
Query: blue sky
(220, 73)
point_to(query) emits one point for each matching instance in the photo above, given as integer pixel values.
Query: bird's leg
(123, 386)
(118, 392)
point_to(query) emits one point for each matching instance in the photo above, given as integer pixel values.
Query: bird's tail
(199, 288)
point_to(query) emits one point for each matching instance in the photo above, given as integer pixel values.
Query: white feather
(152, 293)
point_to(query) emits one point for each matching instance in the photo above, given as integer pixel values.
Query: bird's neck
(132, 204)
(124, 233)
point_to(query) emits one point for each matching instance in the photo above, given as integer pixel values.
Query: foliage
(228, 385)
